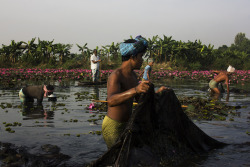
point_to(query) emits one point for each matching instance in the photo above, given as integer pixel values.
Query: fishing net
(158, 133)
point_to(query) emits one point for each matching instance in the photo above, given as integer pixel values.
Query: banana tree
(30, 51)
(114, 50)
(83, 49)
(47, 49)
(107, 51)
(15, 50)
(63, 50)
(5, 53)
(151, 45)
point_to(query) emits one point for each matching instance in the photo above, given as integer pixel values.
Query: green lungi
(111, 130)
(213, 84)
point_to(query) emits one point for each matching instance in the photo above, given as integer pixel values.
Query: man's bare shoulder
(116, 73)
(223, 73)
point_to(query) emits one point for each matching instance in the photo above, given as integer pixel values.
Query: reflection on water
(31, 111)
(66, 123)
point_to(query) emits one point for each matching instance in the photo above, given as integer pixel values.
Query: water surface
(65, 123)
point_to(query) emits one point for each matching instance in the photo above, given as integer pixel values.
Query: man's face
(138, 60)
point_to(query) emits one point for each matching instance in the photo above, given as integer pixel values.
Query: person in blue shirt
(147, 70)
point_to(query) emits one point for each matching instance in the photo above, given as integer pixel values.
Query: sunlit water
(45, 126)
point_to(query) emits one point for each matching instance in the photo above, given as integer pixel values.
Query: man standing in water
(147, 71)
(122, 87)
(95, 63)
(222, 76)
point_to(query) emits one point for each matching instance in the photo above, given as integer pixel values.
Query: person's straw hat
(230, 69)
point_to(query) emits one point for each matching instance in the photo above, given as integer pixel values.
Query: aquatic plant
(9, 76)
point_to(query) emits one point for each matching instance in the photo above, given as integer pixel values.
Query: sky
(101, 22)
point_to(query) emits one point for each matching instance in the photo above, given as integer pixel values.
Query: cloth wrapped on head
(140, 45)
(230, 69)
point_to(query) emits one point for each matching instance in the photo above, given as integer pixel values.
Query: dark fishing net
(158, 134)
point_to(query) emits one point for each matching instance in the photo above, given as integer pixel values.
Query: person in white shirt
(95, 63)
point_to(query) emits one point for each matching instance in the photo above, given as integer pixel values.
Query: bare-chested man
(222, 76)
(122, 87)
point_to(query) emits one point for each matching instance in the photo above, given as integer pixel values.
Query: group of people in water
(123, 86)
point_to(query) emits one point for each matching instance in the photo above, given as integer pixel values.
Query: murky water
(65, 123)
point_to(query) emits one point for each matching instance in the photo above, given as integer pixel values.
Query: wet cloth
(111, 130)
(146, 70)
(95, 75)
(159, 128)
(21, 96)
(133, 49)
(213, 84)
(230, 69)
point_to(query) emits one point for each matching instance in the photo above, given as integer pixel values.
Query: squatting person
(29, 93)
(221, 77)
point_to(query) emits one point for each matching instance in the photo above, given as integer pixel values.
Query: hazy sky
(100, 22)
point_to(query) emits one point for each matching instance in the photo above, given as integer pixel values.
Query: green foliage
(178, 54)
(195, 66)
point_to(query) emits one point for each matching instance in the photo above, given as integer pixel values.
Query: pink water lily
(238, 76)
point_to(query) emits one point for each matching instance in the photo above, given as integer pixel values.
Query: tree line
(176, 54)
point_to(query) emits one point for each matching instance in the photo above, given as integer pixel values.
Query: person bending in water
(222, 76)
(122, 88)
(27, 94)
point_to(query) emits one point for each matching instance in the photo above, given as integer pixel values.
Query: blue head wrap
(133, 49)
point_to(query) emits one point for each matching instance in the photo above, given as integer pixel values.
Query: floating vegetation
(203, 109)
(12, 124)
(60, 104)
(95, 132)
(5, 105)
(9, 130)
(71, 120)
(93, 120)
(80, 96)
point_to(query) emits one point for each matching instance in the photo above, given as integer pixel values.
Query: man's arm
(96, 61)
(141, 74)
(227, 83)
(216, 71)
(116, 97)
(148, 75)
